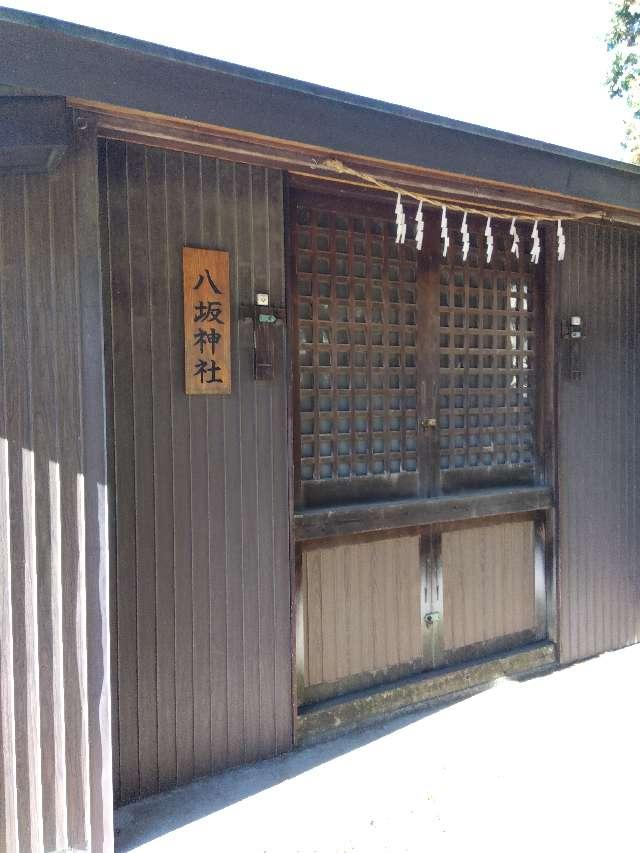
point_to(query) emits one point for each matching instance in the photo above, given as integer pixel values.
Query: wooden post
(94, 464)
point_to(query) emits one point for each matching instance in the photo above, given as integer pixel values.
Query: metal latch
(264, 318)
(432, 618)
(428, 423)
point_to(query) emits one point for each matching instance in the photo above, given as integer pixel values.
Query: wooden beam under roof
(306, 161)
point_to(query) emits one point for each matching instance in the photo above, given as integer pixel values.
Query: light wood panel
(488, 582)
(201, 600)
(362, 608)
(206, 321)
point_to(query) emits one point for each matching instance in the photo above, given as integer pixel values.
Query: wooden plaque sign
(207, 321)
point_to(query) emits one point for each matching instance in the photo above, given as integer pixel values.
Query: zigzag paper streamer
(561, 241)
(444, 232)
(488, 234)
(465, 237)
(535, 248)
(401, 222)
(515, 245)
(419, 228)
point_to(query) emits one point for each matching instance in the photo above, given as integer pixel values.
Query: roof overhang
(35, 133)
(135, 78)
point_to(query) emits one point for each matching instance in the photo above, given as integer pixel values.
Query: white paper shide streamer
(561, 241)
(444, 232)
(489, 235)
(401, 233)
(535, 248)
(401, 222)
(465, 237)
(419, 228)
(515, 245)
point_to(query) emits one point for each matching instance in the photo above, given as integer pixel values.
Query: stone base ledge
(336, 716)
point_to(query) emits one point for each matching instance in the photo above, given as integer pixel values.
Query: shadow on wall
(139, 822)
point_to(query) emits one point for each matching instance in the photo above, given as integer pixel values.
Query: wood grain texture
(54, 632)
(207, 335)
(47, 506)
(18, 378)
(362, 608)
(72, 510)
(200, 502)
(488, 582)
(598, 447)
(378, 516)
(119, 123)
(94, 467)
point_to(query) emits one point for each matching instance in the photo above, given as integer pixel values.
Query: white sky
(533, 68)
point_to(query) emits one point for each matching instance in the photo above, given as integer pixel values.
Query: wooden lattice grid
(356, 308)
(487, 341)
(362, 347)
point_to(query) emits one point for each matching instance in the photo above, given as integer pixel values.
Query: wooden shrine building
(281, 447)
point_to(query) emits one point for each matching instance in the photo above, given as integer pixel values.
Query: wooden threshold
(328, 719)
(322, 523)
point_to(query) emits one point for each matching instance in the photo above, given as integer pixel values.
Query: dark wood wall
(55, 739)
(201, 591)
(599, 442)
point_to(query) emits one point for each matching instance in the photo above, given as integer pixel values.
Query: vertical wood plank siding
(362, 608)
(201, 628)
(55, 743)
(488, 582)
(599, 448)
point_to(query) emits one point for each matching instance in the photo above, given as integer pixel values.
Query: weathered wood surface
(426, 690)
(389, 515)
(361, 608)
(202, 665)
(55, 770)
(488, 582)
(207, 321)
(598, 447)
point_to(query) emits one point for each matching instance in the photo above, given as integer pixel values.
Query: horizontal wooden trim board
(345, 520)
(303, 159)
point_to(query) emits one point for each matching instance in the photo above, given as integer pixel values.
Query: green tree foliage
(624, 77)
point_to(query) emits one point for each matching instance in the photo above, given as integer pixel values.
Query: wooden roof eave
(306, 161)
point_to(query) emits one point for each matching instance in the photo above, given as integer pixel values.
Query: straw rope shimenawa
(499, 213)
